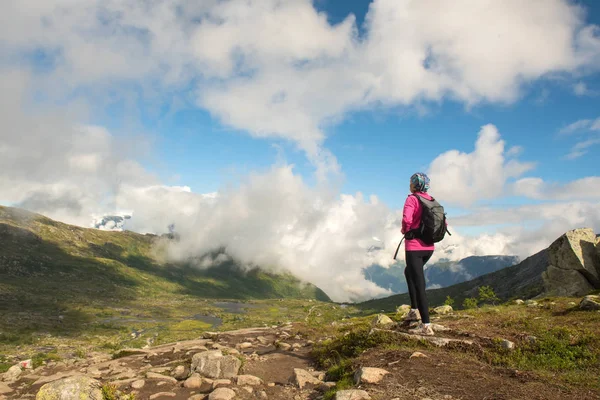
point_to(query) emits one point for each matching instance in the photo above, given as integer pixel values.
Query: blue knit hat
(420, 181)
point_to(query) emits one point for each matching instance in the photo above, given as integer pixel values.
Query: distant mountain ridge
(441, 274)
(570, 266)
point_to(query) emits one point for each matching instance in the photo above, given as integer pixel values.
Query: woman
(417, 254)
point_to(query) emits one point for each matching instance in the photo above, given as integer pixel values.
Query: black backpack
(432, 228)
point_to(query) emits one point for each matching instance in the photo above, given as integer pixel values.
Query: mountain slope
(48, 269)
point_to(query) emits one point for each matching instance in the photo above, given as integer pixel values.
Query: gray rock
(531, 303)
(507, 344)
(590, 303)
(519, 302)
(352, 395)
(325, 386)
(137, 385)
(403, 310)
(162, 395)
(12, 374)
(383, 321)
(180, 373)
(213, 364)
(222, 394)
(442, 310)
(303, 378)
(75, 387)
(193, 382)
(369, 375)
(574, 268)
(263, 394)
(284, 346)
(249, 380)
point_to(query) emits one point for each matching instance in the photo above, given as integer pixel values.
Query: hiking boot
(413, 315)
(422, 330)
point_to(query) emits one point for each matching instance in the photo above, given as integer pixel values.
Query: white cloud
(582, 125)
(278, 68)
(588, 127)
(537, 188)
(465, 178)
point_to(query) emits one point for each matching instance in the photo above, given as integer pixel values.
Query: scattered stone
(154, 375)
(296, 346)
(214, 364)
(271, 384)
(217, 383)
(403, 310)
(180, 373)
(210, 335)
(161, 383)
(263, 340)
(531, 303)
(417, 354)
(532, 339)
(284, 346)
(590, 303)
(263, 395)
(94, 372)
(352, 395)
(198, 397)
(193, 382)
(162, 394)
(137, 385)
(160, 370)
(369, 375)
(222, 394)
(248, 389)
(245, 345)
(249, 380)
(303, 378)
(507, 344)
(383, 321)
(439, 328)
(320, 375)
(442, 310)
(572, 303)
(74, 387)
(519, 302)
(12, 374)
(325, 386)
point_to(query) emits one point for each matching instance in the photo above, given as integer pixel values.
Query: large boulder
(213, 364)
(442, 310)
(75, 387)
(590, 303)
(574, 265)
(303, 378)
(12, 374)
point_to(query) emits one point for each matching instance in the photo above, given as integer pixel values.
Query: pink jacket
(411, 218)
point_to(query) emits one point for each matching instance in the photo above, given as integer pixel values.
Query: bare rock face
(75, 387)
(574, 268)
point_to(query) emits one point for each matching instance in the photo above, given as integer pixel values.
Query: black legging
(415, 279)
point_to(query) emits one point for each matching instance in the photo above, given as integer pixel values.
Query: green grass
(114, 280)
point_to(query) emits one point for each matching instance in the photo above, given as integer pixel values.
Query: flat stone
(193, 382)
(284, 346)
(155, 376)
(245, 345)
(137, 385)
(442, 310)
(222, 394)
(590, 303)
(417, 354)
(303, 378)
(74, 387)
(352, 395)
(198, 397)
(249, 380)
(369, 375)
(162, 395)
(214, 364)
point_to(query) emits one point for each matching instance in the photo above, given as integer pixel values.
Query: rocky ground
(277, 363)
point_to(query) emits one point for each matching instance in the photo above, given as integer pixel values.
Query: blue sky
(153, 108)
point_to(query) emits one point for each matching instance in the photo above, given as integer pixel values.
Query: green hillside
(62, 279)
